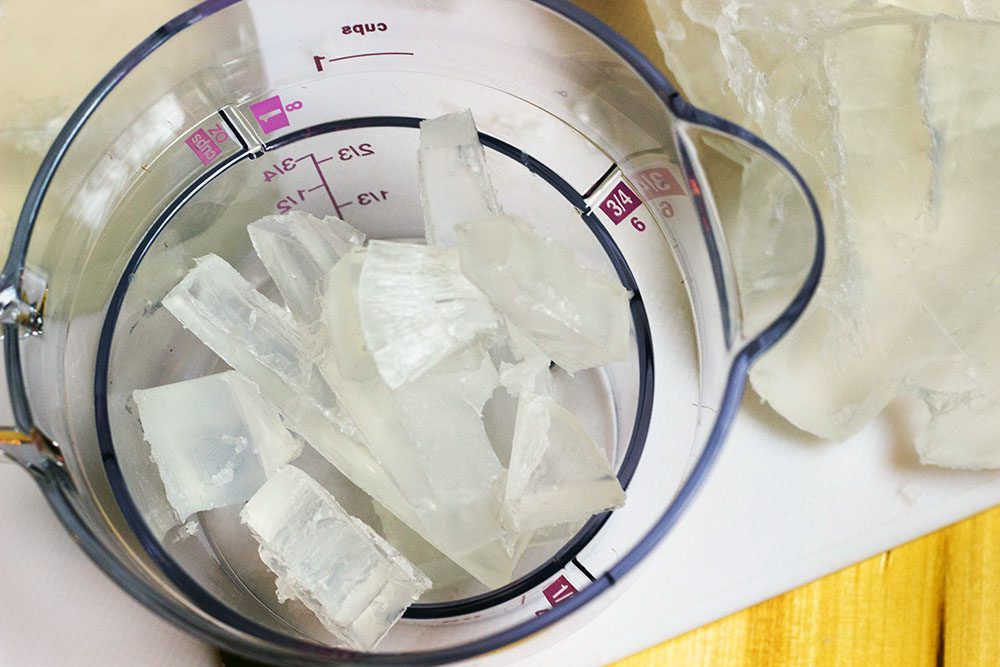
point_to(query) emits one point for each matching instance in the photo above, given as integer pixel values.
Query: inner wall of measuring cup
(369, 177)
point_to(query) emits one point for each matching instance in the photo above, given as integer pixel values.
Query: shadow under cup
(238, 110)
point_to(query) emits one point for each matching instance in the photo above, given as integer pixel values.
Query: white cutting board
(778, 511)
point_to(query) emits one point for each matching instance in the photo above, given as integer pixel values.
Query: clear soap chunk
(215, 440)
(356, 583)
(455, 186)
(578, 317)
(557, 472)
(298, 250)
(417, 308)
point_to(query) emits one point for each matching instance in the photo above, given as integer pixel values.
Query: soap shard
(417, 308)
(356, 583)
(579, 318)
(557, 473)
(215, 440)
(427, 434)
(455, 186)
(298, 250)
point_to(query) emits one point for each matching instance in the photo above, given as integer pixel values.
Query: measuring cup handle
(23, 443)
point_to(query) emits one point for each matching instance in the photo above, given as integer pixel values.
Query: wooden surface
(933, 601)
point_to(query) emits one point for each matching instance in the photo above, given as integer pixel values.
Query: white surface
(776, 513)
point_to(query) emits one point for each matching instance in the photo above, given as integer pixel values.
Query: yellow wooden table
(932, 601)
(936, 600)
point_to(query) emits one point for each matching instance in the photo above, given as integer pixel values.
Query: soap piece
(557, 473)
(455, 186)
(579, 318)
(298, 250)
(356, 583)
(417, 308)
(427, 435)
(898, 144)
(215, 440)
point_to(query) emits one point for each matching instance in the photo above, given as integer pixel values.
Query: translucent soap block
(557, 473)
(261, 340)
(455, 186)
(298, 250)
(578, 317)
(417, 308)
(215, 440)
(427, 435)
(356, 583)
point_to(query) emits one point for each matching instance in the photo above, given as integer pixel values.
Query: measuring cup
(235, 110)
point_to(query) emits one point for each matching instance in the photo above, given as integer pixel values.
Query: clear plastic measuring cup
(236, 110)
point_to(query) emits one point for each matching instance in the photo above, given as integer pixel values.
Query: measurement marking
(318, 60)
(585, 571)
(605, 177)
(326, 159)
(325, 184)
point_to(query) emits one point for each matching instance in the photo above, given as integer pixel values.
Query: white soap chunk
(455, 186)
(427, 435)
(259, 339)
(557, 473)
(356, 583)
(578, 317)
(215, 440)
(298, 250)
(417, 308)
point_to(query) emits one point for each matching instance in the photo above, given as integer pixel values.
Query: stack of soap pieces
(890, 110)
(383, 360)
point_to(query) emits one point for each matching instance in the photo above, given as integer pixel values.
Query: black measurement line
(585, 571)
(325, 185)
(368, 55)
(601, 181)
